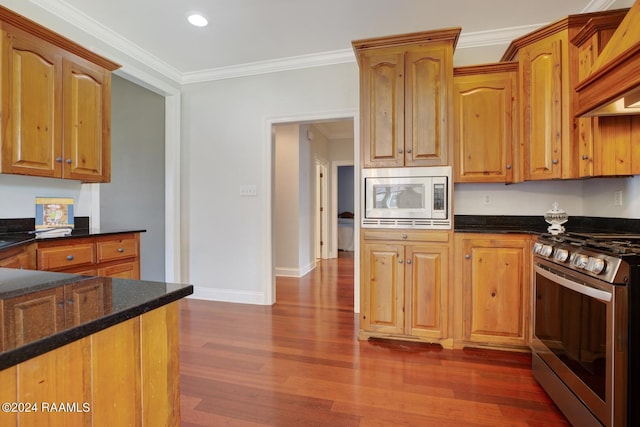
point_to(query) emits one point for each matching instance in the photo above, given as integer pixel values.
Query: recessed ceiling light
(197, 20)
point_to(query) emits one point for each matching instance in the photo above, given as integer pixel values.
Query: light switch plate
(248, 190)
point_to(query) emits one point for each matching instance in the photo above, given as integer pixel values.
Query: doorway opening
(306, 154)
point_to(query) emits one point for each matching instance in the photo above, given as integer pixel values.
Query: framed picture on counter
(54, 212)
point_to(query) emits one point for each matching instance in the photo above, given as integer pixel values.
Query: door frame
(268, 177)
(322, 235)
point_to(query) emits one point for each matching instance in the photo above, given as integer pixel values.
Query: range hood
(613, 86)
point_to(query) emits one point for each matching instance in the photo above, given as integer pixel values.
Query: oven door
(573, 334)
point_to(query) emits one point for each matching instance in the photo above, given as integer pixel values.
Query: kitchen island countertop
(109, 302)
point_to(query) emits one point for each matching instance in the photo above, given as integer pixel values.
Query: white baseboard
(228, 295)
(295, 272)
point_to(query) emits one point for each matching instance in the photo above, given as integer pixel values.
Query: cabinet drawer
(59, 257)
(113, 249)
(406, 235)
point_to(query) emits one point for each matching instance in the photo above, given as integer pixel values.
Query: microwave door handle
(598, 294)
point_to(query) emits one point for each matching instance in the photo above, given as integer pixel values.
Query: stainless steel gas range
(586, 330)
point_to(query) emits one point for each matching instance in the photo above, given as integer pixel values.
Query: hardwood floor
(299, 363)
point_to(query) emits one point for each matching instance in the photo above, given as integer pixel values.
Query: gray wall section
(134, 198)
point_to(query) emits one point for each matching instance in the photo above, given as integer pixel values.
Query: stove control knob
(546, 250)
(536, 247)
(595, 265)
(579, 260)
(560, 254)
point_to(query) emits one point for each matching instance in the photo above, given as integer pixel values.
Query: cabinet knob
(70, 301)
(59, 159)
(493, 294)
(399, 150)
(585, 157)
(69, 257)
(508, 167)
(408, 261)
(404, 236)
(467, 256)
(554, 161)
(120, 250)
(68, 161)
(409, 150)
(400, 261)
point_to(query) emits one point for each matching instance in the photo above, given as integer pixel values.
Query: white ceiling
(255, 34)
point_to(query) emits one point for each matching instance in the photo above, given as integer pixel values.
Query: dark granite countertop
(14, 232)
(117, 301)
(537, 224)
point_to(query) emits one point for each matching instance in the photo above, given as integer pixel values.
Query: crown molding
(84, 22)
(271, 66)
(598, 5)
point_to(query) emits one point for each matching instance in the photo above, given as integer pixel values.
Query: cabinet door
(30, 317)
(541, 105)
(382, 288)
(496, 291)
(617, 139)
(427, 88)
(123, 270)
(382, 103)
(87, 115)
(18, 257)
(31, 106)
(426, 282)
(87, 300)
(485, 127)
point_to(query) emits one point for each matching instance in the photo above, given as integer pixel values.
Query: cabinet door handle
(467, 256)
(408, 261)
(69, 257)
(120, 250)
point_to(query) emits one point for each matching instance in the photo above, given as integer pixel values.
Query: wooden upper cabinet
(87, 141)
(605, 143)
(382, 95)
(541, 106)
(31, 104)
(549, 74)
(56, 104)
(486, 123)
(405, 94)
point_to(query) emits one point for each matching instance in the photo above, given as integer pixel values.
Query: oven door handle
(599, 294)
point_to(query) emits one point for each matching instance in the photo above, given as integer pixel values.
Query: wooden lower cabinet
(27, 318)
(18, 257)
(109, 255)
(404, 285)
(123, 375)
(492, 288)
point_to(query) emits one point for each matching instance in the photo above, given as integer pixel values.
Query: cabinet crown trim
(442, 35)
(18, 21)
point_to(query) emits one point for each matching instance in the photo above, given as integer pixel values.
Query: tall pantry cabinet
(406, 109)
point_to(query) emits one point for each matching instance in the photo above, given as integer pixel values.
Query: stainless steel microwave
(407, 197)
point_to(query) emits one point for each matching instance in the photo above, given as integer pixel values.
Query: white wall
(18, 194)
(226, 143)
